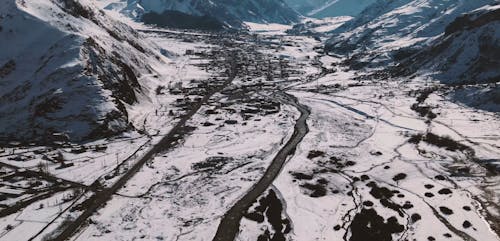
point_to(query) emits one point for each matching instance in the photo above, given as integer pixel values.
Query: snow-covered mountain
(67, 67)
(454, 42)
(468, 52)
(465, 56)
(318, 27)
(335, 8)
(230, 12)
(305, 7)
(390, 25)
(329, 8)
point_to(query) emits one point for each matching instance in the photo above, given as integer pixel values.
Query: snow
(330, 24)
(359, 118)
(362, 131)
(336, 8)
(411, 34)
(163, 62)
(52, 56)
(185, 202)
(272, 28)
(232, 13)
(332, 127)
(383, 23)
(329, 8)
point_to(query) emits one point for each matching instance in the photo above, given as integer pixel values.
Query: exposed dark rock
(467, 21)
(7, 68)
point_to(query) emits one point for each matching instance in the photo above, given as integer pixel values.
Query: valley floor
(378, 160)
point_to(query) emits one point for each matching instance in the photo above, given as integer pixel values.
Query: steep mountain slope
(230, 12)
(335, 8)
(465, 56)
(318, 27)
(67, 67)
(390, 25)
(468, 51)
(329, 8)
(305, 7)
(176, 19)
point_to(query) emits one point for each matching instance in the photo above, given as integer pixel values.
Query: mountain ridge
(230, 12)
(70, 69)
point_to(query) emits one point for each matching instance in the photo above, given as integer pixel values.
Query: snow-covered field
(348, 128)
(182, 194)
(360, 155)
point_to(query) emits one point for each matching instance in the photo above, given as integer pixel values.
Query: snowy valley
(290, 120)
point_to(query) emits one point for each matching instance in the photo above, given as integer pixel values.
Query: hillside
(230, 12)
(466, 56)
(336, 8)
(386, 26)
(180, 20)
(305, 7)
(66, 67)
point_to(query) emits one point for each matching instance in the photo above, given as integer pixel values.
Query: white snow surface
(362, 127)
